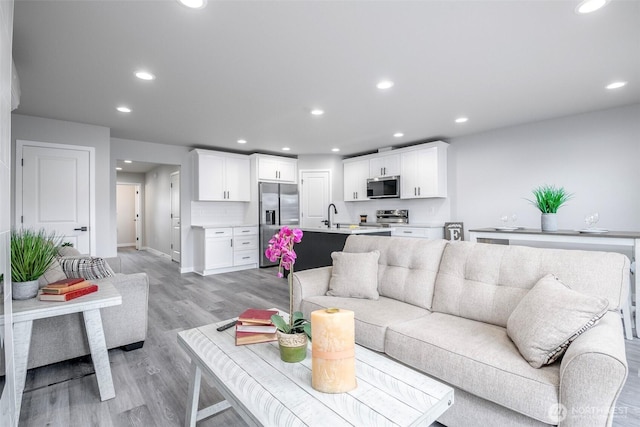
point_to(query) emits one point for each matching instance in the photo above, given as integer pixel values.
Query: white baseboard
(186, 270)
(125, 245)
(156, 252)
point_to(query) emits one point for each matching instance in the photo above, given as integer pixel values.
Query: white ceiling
(255, 69)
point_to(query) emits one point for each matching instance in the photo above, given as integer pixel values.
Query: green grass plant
(549, 198)
(32, 253)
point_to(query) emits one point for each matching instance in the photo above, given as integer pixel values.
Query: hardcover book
(69, 295)
(57, 290)
(65, 282)
(243, 338)
(257, 316)
(252, 327)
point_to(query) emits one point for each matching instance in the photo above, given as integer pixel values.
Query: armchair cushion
(549, 317)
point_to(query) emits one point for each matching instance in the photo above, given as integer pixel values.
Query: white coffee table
(268, 392)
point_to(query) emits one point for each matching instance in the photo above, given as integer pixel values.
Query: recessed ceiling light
(194, 4)
(242, 141)
(317, 112)
(588, 6)
(118, 168)
(123, 109)
(128, 161)
(145, 75)
(616, 85)
(398, 135)
(335, 150)
(286, 148)
(384, 84)
(462, 120)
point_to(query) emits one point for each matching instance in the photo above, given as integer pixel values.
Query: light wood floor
(151, 383)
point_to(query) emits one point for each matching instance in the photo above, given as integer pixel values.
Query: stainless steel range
(392, 216)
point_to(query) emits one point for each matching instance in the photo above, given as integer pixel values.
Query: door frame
(20, 144)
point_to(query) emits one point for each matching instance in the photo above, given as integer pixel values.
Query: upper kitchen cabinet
(384, 165)
(278, 169)
(221, 177)
(356, 173)
(423, 171)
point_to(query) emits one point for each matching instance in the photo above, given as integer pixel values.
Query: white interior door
(315, 197)
(175, 216)
(54, 191)
(138, 213)
(126, 214)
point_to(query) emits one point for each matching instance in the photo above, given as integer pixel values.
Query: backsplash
(223, 213)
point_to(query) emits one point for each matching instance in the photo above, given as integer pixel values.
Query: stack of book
(66, 289)
(254, 325)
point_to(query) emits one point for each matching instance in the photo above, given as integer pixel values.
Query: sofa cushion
(89, 268)
(549, 318)
(407, 268)
(478, 358)
(486, 282)
(372, 317)
(354, 275)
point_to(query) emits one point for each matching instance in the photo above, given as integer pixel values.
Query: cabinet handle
(246, 243)
(231, 242)
(415, 191)
(418, 191)
(407, 232)
(219, 232)
(246, 257)
(245, 231)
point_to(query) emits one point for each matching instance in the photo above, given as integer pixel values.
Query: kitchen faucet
(335, 211)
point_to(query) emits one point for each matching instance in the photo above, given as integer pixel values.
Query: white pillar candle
(333, 362)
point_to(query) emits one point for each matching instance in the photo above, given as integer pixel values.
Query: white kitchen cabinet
(419, 232)
(222, 177)
(279, 169)
(245, 246)
(356, 173)
(424, 171)
(384, 165)
(218, 248)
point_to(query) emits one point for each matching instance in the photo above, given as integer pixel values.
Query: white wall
(157, 202)
(60, 132)
(596, 156)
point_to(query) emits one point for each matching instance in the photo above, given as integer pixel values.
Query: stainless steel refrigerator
(279, 205)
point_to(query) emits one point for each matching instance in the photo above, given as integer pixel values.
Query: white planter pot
(24, 290)
(549, 222)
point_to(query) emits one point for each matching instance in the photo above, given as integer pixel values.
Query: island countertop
(347, 230)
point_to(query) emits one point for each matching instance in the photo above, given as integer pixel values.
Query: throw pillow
(68, 251)
(53, 274)
(354, 275)
(549, 317)
(88, 268)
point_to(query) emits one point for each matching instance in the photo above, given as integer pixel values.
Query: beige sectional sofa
(444, 307)
(61, 338)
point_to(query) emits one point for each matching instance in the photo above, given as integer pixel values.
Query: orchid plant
(280, 248)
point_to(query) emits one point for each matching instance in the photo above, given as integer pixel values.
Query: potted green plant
(292, 335)
(31, 255)
(548, 199)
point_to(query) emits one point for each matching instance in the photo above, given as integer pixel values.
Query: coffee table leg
(194, 396)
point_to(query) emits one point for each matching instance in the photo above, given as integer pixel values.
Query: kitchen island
(317, 244)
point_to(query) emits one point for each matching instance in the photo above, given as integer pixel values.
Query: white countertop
(348, 230)
(205, 226)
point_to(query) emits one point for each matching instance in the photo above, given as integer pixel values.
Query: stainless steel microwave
(384, 187)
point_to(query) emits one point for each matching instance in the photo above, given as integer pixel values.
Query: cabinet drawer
(245, 242)
(245, 257)
(218, 232)
(245, 231)
(410, 232)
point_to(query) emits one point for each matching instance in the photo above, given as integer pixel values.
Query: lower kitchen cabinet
(419, 232)
(225, 249)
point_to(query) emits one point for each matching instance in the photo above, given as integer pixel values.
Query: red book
(69, 295)
(65, 282)
(257, 316)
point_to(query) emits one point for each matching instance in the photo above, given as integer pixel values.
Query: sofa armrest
(309, 283)
(592, 374)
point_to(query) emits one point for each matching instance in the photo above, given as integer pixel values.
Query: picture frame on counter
(454, 231)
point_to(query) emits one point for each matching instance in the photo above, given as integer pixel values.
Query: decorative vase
(549, 222)
(293, 347)
(24, 290)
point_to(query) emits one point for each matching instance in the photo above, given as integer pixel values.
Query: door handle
(83, 228)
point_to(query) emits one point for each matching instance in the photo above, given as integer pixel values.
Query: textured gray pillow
(354, 275)
(88, 268)
(68, 251)
(53, 274)
(549, 317)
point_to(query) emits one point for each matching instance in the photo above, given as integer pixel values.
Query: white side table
(26, 311)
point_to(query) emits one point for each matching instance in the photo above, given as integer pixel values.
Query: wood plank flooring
(151, 383)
